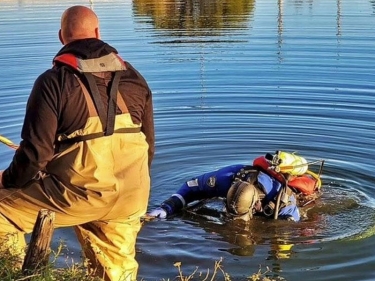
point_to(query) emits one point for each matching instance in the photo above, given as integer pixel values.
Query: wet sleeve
(206, 186)
(38, 134)
(291, 211)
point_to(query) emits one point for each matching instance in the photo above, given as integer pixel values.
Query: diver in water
(274, 186)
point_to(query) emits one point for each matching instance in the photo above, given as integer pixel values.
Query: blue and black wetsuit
(217, 183)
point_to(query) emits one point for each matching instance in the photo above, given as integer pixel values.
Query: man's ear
(60, 37)
(97, 33)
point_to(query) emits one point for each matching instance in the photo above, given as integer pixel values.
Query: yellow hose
(316, 177)
(8, 142)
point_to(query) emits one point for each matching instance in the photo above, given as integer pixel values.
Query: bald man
(86, 151)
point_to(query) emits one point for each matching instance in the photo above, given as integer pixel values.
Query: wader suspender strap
(90, 104)
(121, 103)
(91, 107)
(112, 104)
(111, 111)
(94, 112)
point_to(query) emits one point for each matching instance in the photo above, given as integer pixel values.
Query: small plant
(10, 270)
(204, 277)
(262, 276)
(218, 273)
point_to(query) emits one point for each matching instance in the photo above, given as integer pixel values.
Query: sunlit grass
(218, 273)
(10, 269)
(78, 272)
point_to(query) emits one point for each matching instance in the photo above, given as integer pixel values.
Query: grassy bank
(77, 272)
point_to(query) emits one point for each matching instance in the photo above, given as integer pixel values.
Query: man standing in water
(86, 151)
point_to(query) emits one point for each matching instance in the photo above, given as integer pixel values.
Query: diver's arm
(271, 187)
(291, 211)
(208, 185)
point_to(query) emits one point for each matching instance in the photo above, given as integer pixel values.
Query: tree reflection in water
(196, 18)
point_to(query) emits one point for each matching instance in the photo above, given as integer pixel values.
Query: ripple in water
(341, 213)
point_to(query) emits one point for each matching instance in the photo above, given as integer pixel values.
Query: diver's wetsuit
(217, 183)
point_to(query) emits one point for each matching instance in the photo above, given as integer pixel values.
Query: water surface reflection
(233, 80)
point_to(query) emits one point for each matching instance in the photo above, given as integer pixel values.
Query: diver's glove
(290, 218)
(158, 213)
(169, 207)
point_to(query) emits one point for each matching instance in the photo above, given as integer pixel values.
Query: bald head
(78, 22)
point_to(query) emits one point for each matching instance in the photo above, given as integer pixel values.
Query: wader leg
(12, 241)
(110, 248)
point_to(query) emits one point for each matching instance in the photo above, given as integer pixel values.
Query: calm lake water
(232, 80)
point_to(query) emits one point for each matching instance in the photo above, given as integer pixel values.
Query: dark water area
(232, 80)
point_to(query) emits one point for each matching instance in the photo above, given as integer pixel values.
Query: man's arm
(138, 98)
(1, 179)
(38, 135)
(148, 127)
(291, 211)
(208, 185)
(272, 187)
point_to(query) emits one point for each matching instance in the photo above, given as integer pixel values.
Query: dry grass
(9, 271)
(218, 273)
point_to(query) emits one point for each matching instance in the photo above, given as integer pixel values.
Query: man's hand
(158, 213)
(1, 179)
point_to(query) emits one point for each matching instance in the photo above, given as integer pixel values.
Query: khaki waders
(99, 186)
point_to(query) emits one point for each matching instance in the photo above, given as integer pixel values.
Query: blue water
(233, 80)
